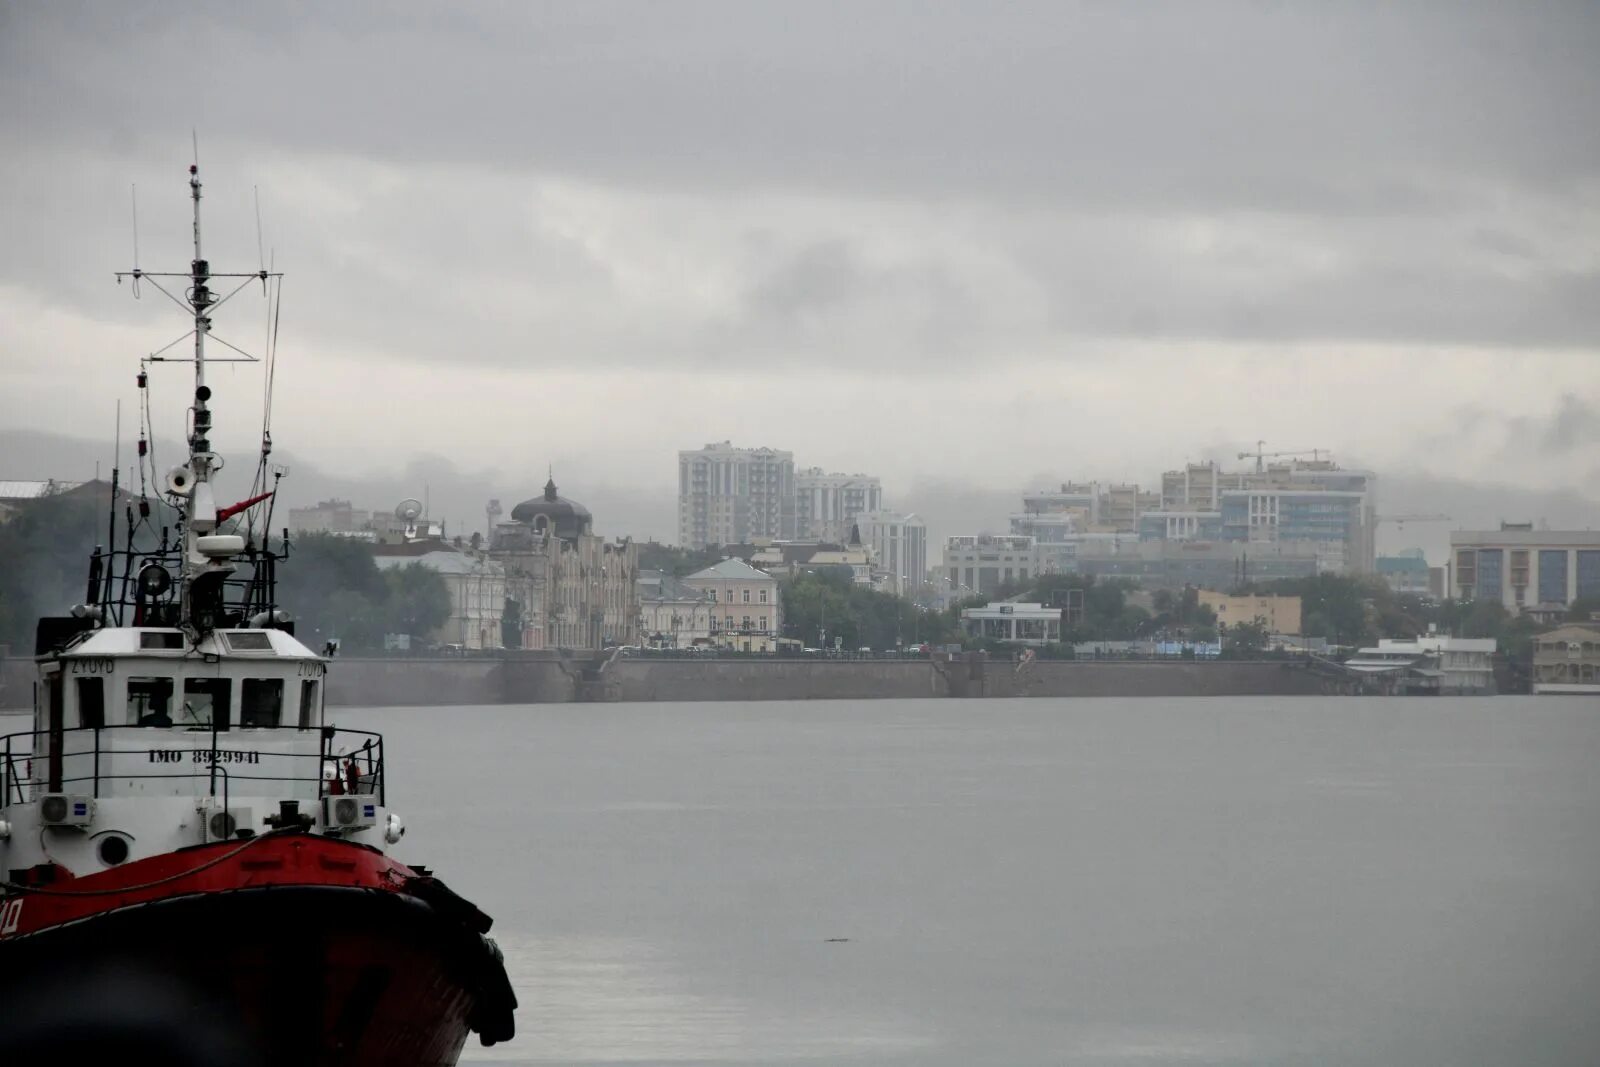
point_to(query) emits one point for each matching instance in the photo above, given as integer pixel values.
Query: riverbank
(545, 678)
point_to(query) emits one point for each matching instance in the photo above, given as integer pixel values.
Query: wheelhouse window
(92, 702)
(206, 703)
(261, 703)
(308, 704)
(149, 702)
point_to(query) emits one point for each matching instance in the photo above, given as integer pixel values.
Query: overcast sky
(979, 244)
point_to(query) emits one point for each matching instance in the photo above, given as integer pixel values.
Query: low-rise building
(1024, 624)
(671, 614)
(1449, 666)
(1567, 660)
(1279, 614)
(748, 616)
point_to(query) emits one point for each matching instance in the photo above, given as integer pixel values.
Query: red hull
(319, 952)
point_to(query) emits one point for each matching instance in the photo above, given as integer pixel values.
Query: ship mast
(204, 558)
(202, 510)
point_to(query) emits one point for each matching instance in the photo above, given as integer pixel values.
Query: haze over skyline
(962, 247)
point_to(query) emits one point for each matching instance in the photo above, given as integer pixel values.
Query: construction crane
(1314, 453)
(1401, 520)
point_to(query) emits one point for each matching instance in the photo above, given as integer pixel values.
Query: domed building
(553, 512)
(567, 587)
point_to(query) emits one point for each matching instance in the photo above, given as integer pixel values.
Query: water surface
(1140, 881)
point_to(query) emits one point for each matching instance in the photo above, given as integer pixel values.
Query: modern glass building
(1528, 570)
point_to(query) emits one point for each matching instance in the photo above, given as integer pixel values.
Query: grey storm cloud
(1576, 425)
(1365, 175)
(610, 230)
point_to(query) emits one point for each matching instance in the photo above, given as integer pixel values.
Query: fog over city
(969, 249)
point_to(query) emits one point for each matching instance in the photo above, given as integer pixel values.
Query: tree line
(331, 587)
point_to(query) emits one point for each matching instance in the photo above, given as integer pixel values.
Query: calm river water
(1230, 881)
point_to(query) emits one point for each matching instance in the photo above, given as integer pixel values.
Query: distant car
(812, 651)
(863, 648)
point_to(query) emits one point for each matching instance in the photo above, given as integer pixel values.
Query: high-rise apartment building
(899, 542)
(826, 505)
(729, 495)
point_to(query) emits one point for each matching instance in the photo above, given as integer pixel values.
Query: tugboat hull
(281, 974)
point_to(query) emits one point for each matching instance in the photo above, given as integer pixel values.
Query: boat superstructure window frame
(260, 703)
(161, 641)
(91, 702)
(207, 703)
(142, 692)
(310, 703)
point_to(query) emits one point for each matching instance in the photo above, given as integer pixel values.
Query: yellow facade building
(1279, 614)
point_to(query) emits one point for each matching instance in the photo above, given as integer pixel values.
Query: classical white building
(477, 595)
(673, 615)
(729, 496)
(827, 504)
(748, 616)
(571, 587)
(899, 543)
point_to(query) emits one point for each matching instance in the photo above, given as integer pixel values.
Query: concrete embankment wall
(1159, 679)
(774, 679)
(535, 678)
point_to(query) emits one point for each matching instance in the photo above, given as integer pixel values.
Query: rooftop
(734, 569)
(1491, 538)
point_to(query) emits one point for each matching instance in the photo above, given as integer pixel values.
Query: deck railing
(340, 751)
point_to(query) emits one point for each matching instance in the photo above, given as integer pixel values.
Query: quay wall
(535, 678)
(773, 679)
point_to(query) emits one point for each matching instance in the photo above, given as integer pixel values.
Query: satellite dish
(408, 511)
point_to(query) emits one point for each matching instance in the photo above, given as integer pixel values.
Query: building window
(1588, 575)
(1490, 573)
(746, 623)
(763, 596)
(746, 595)
(729, 621)
(1553, 576)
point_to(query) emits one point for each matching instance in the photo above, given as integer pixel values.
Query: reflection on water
(616, 1000)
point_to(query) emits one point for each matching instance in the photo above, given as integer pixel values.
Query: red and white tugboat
(196, 867)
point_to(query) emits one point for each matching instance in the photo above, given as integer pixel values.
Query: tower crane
(1401, 520)
(1314, 453)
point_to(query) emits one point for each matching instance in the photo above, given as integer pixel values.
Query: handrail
(210, 759)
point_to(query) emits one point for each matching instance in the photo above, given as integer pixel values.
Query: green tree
(331, 588)
(1583, 609)
(1246, 639)
(45, 549)
(417, 600)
